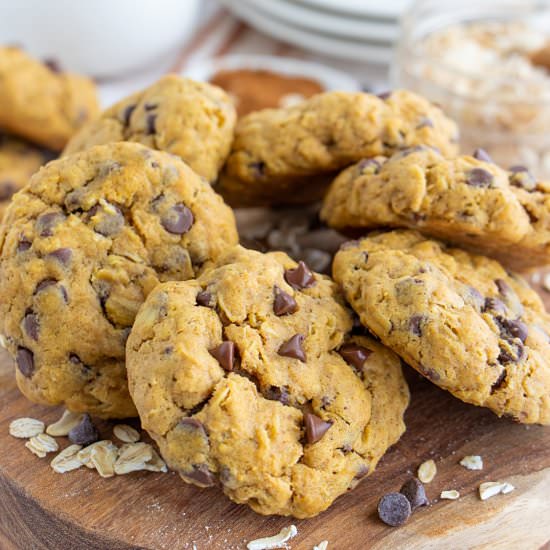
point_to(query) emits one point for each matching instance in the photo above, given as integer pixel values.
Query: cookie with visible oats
(193, 120)
(41, 103)
(460, 319)
(81, 247)
(467, 200)
(246, 378)
(289, 155)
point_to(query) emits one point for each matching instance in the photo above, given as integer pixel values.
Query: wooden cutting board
(40, 509)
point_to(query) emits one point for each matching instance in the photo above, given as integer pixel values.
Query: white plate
(385, 9)
(330, 79)
(316, 42)
(342, 25)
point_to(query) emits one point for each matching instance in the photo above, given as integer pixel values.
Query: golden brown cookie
(245, 377)
(460, 319)
(19, 160)
(82, 245)
(41, 104)
(193, 120)
(466, 201)
(288, 156)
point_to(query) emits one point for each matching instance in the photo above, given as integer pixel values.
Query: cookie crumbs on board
(472, 462)
(276, 541)
(427, 471)
(492, 488)
(449, 495)
(321, 546)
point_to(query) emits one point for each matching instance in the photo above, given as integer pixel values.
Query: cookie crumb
(321, 546)
(472, 462)
(492, 488)
(25, 428)
(276, 541)
(449, 495)
(427, 471)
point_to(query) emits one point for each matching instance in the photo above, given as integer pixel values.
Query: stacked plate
(359, 30)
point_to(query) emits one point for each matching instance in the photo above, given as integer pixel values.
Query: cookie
(40, 103)
(245, 377)
(193, 120)
(289, 156)
(460, 319)
(466, 201)
(82, 245)
(19, 160)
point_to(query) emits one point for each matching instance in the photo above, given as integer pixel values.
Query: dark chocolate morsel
(43, 284)
(200, 475)
(192, 424)
(25, 361)
(283, 303)
(31, 325)
(495, 306)
(178, 220)
(425, 122)
(415, 493)
(151, 124)
(47, 222)
(300, 277)
(275, 393)
(316, 427)
(84, 433)
(225, 354)
(384, 95)
(368, 166)
(23, 245)
(204, 298)
(481, 154)
(63, 255)
(394, 509)
(53, 65)
(127, 113)
(497, 384)
(293, 348)
(7, 190)
(416, 323)
(478, 177)
(354, 355)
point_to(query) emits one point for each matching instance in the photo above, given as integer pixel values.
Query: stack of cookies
(124, 291)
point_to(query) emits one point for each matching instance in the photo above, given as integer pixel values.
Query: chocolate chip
(416, 323)
(150, 106)
(127, 113)
(513, 328)
(355, 355)
(200, 475)
(258, 168)
(84, 433)
(495, 306)
(300, 277)
(151, 124)
(43, 284)
(384, 95)
(25, 361)
(316, 427)
(225, 354)
(23, 245)
(293, 348)
(394, 509)
(517, 168)
(204, 298)
(192, 424)
(425, 122)
(283, 303)
(178, 220)
(497, 384)
(53, 65)
(478, 177)
(410, 150)
(275, 393)
(481, 154)
(30, 324)
(512, 353)
(75, 359)
(107, 219)
(520, 176)
(46, 223)
(475, 298)
(503, 287)
(7, 190)
(64, 255)
(414, 492)
(368, 166)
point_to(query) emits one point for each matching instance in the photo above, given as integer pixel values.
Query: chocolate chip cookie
(193, 120)
(246, 378)
(286, 156)
(460, 319)
(40, 103)
(82, 245)
(19, 160)
(466, 200)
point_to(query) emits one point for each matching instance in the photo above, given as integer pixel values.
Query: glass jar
(473, 57)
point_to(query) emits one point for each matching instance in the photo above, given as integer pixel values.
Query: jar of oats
(487, 63)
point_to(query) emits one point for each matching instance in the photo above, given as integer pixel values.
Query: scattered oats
(103, 457)
(449, 495)
(26, 427)
(472, 462)
(65, 424)
(85, 455)
(126, 433)
(133, 457)
(491, 488)
(156, 464)
(546, 282)
(426, 471)
(276, 541)
(67, 460)
(41, 445)
(321, 546)
(3, 342)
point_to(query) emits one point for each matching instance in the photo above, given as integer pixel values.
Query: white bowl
(101, 38)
